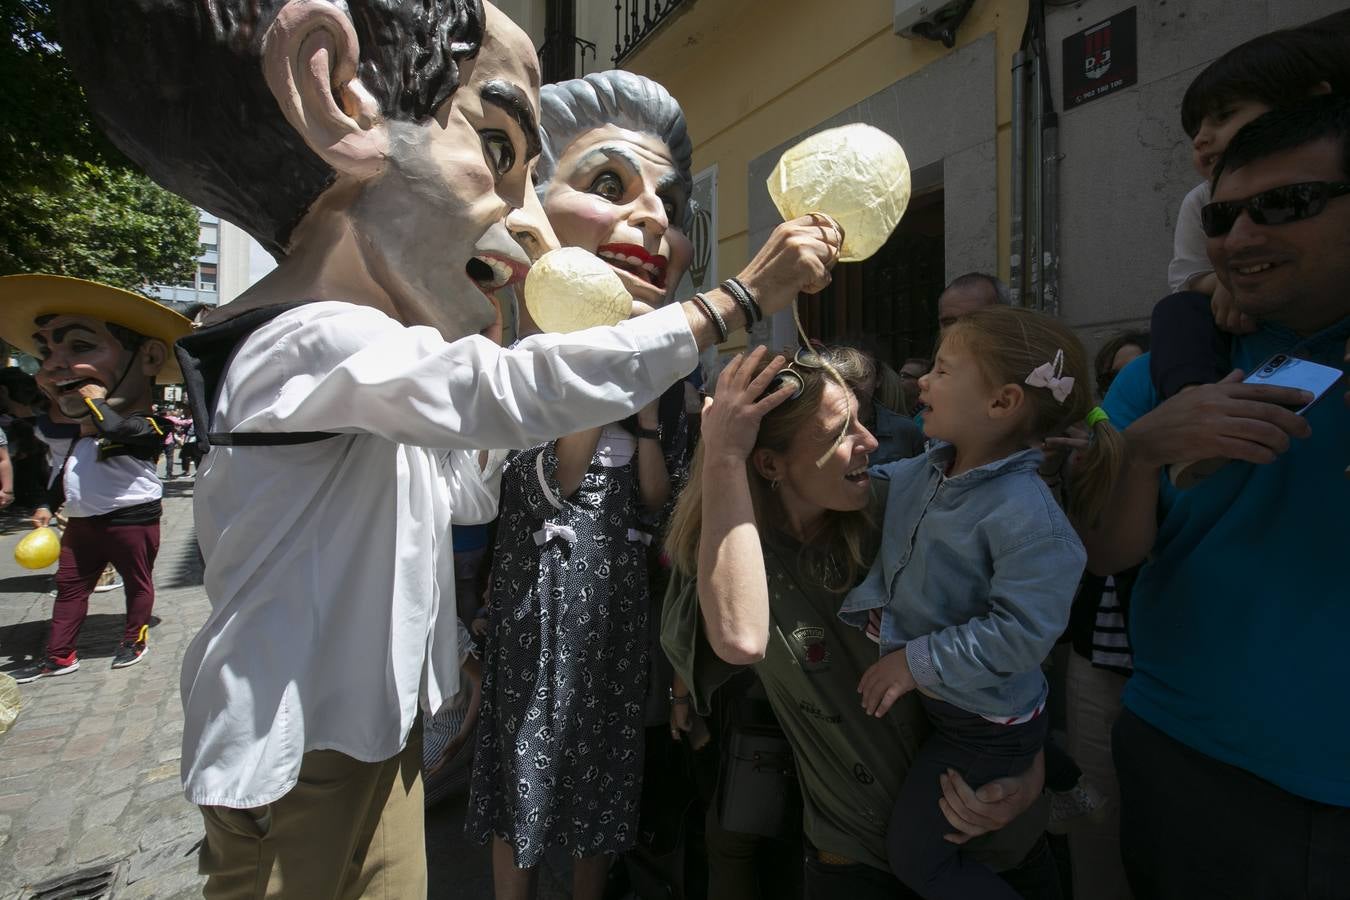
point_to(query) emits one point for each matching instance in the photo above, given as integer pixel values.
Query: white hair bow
(1051, 375)
(551, 531)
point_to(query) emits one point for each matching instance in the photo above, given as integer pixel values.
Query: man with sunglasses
(1234, 763)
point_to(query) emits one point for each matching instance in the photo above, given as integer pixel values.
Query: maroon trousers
(87, 547)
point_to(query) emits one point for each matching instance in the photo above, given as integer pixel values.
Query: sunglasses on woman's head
(805, 358)
(1288, 203)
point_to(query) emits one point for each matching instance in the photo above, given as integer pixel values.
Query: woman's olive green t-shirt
(850, 765)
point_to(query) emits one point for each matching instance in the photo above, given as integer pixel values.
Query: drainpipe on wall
(1017, 247)
(1047, 164)
(1034, 254)
(1036, 209)
(1050, 222)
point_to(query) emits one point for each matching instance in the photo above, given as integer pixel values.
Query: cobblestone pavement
(89, 773)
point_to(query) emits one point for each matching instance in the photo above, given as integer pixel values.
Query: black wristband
(651, 434)
(714, 316)
(746, 300)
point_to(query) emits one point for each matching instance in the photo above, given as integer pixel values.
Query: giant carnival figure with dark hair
(381, 150)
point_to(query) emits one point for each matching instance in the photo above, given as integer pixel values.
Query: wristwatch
(653, 434)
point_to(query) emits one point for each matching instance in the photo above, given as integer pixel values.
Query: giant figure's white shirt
(329, 564)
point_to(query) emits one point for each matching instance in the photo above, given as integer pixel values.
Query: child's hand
(884, 682)
(1226, 315)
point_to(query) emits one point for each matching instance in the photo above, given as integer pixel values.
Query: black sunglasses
(1288, 203)
(805, 358)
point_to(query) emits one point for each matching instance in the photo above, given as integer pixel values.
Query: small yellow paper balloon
(570, 289)
(857, 174)
(39, 549)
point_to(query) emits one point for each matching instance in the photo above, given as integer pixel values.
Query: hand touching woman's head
(823, 506)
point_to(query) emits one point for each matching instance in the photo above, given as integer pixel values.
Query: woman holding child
(779, 521)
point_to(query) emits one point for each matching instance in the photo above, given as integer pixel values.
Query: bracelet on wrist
(678, 699)
(713, 315)
(651, 434)
(744, 299)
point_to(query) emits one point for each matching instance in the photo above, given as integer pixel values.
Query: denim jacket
(974, 578)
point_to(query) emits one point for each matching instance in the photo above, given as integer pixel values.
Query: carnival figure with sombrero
(101, 351)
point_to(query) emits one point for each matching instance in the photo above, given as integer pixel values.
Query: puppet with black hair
(381, 150)
(101, 351)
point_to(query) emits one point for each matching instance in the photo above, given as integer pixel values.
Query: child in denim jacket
(977, 571)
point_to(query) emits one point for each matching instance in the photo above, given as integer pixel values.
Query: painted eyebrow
(613, 154)
(59, 334)
(514, 102)
(668, 181)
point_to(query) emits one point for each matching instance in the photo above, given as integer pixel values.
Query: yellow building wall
(751, 74)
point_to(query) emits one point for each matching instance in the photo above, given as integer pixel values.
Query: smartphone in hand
(1283, 370)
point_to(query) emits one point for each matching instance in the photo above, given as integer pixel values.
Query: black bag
(758, 791)
(204, 355)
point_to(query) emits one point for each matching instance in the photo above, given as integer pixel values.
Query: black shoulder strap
(204, 356)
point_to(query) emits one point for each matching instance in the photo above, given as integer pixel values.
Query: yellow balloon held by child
(39, 549)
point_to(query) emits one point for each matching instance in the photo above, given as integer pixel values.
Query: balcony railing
(635, 20)
(563, 56)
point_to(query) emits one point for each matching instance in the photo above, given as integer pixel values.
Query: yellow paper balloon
(570, 289)
(857, 174)
(39, 549)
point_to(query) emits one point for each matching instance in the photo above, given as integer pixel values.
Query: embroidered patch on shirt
(811, 648)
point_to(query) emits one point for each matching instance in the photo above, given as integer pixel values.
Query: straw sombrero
(23, 298)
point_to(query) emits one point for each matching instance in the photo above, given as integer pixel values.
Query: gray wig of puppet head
(569, 109)
(178, 86)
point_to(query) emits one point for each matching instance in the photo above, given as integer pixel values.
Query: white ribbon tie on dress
(551, 531)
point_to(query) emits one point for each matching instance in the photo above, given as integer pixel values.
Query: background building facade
(1098, 209)
(223, 268)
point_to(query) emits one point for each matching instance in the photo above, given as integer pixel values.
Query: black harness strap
(204, 356)
(264, 438)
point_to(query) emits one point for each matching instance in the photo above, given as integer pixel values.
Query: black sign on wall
(1101, 60)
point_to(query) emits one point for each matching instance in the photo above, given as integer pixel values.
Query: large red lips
(650, 267)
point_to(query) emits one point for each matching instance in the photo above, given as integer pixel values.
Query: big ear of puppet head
(282, 116)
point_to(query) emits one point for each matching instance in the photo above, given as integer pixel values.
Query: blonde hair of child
(1008, 344)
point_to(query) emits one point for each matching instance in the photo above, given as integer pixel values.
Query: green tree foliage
(70, 203)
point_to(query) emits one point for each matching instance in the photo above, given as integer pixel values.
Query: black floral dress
(559, 754)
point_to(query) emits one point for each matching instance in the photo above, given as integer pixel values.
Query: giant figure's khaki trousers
(347, 829)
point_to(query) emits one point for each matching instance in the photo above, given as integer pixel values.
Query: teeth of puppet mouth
(648, 271)
(489, 273)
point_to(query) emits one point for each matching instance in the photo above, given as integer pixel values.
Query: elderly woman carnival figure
(560, 750)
